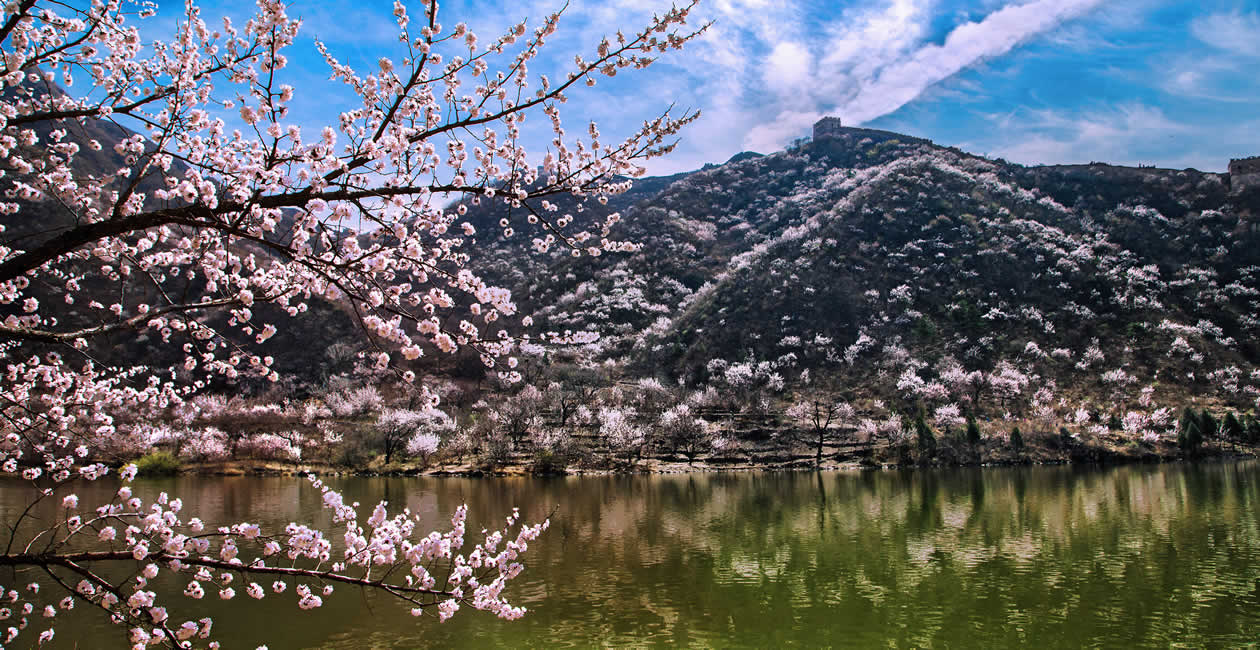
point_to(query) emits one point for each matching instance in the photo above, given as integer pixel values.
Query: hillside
(872, 268)
(898, 268)
(99, 153)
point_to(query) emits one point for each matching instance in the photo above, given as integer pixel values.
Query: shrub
(623, 437)
(1253, 430)
(1065, 438)
(270, 446)
(205, 445)
(423, 446)
(497, 448)
(1233, 427)
(415, 433)
(158, 463)
(354, 402)
(547, 461)
(686, 433)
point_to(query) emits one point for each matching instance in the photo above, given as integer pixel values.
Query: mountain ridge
(989, 251)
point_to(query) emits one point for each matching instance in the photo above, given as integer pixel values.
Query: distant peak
(744, 155)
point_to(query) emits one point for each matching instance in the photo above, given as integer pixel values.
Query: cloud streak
(902, 81)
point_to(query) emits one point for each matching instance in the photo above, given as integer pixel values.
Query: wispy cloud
(1129, 134)
(862, 42)
(1207, 77)
(1238, 33)
(1032, 80)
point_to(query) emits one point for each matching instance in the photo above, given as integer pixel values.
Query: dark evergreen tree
(925, 438)
(1065, 437)
(1188, 417)
(1209, 426)
(1253, 430)
(1189, 434)
(973, 432)
(1017, 439)
(1232, 428)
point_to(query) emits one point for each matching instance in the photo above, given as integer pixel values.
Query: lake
(1152, 555)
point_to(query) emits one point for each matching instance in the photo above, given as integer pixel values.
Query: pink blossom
(236, 232)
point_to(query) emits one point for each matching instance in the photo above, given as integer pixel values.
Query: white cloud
(853, 48)
(862, 42)
(769, 21)
(765, 71)
(768, 69)
(1129, 134)
(1214, 77)
(785, 127)
(1234, 32)
(788, 68)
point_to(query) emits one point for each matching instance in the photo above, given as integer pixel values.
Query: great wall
(1244, 173)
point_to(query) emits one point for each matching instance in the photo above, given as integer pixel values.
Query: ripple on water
(1052, 557)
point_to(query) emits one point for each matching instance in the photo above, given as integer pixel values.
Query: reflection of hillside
(1061, 556)
(1028, 552)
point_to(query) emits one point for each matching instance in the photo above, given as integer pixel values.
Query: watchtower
(1244, 173)
(827, 127)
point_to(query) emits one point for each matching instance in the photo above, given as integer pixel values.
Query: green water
(1151, 556)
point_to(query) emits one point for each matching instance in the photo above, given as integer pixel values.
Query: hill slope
(899, 267)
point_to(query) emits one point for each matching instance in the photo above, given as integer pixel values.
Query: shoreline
(663, 467)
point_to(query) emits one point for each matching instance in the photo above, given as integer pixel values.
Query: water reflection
(1064, 557)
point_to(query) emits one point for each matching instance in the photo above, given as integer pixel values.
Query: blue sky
(1164, 82)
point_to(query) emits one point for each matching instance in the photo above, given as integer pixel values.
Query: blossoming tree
(193, 230)
(819, 411)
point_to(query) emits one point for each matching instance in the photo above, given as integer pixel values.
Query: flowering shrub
(816, 414)
(423, 446)
(357, 401)
(621, 434)
(271, 446)
(208, 444)
(415, 432)
(948, 417)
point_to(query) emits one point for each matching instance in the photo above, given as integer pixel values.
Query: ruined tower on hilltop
(827, 127)
(1244, 173)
